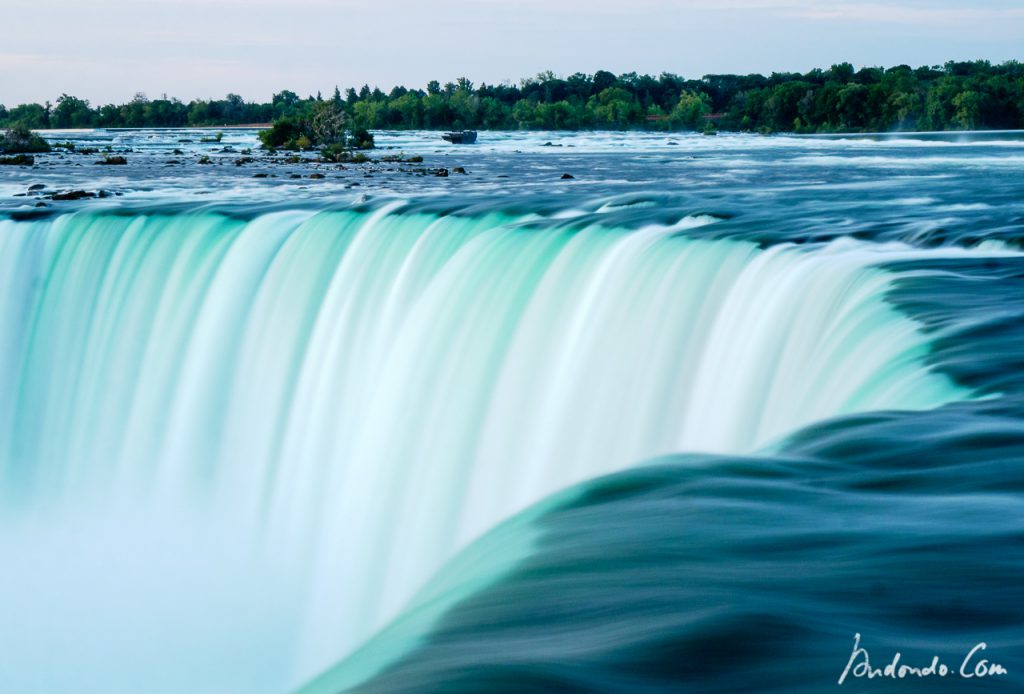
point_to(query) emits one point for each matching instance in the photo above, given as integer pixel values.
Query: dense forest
(955, 96)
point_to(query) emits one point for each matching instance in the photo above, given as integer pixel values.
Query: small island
(20, 142)
(323, 125)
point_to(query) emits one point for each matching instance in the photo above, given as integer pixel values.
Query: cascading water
(326, 407)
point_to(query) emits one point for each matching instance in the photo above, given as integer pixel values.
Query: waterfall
(254, 439)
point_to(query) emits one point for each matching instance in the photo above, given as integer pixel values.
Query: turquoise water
(249, 448)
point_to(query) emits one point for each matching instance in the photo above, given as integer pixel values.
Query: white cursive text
(971, 667)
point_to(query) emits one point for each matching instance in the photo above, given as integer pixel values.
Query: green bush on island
(953, 96)
(336, 153)
(361, 139)
(283, 134)
(21, 140)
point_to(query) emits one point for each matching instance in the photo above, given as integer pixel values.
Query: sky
(108, 50)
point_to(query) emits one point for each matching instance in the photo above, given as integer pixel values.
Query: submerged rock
(19, 160)
(72, 195)
(566, 176)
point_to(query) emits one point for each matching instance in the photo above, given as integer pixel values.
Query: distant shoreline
(955, 96)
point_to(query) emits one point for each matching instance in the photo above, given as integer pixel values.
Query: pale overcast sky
(107, 50)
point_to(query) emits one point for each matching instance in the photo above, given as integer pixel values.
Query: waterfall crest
(368, 392)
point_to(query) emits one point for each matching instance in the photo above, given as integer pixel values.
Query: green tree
(28, 115)
(328, 123)
(968, 106)
(615, 108)
(71, 112)
(690, 111)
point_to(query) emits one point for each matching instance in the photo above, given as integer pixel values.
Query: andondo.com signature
(973, 666)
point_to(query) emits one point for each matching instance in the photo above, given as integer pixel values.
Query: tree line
(954, 96)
